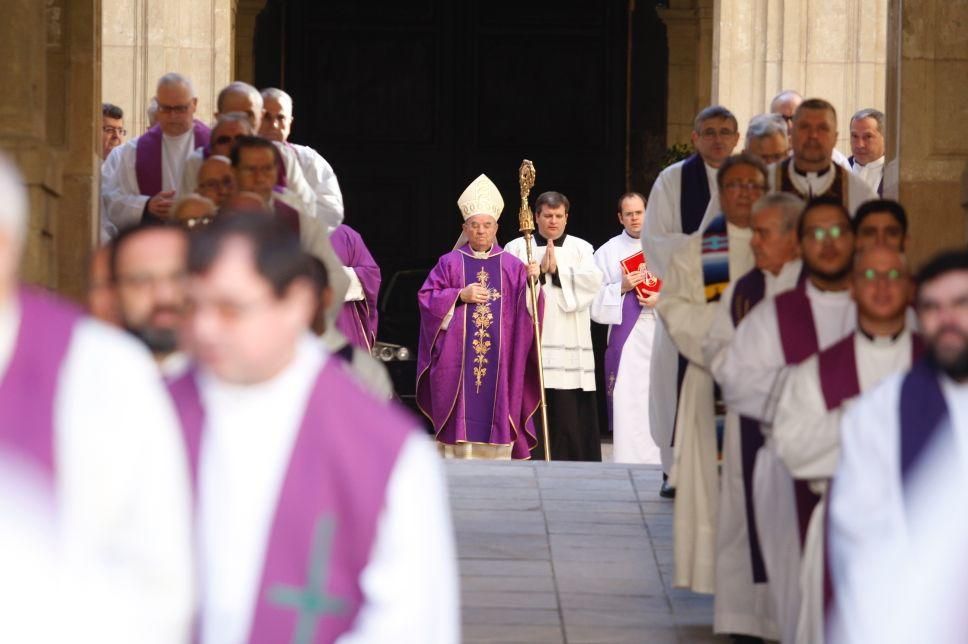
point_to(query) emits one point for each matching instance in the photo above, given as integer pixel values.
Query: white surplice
(872, 173)
(566, 332)
(632, 440)
(321, 178)
(741, 606)
(816, 184)
(410, 582)
(124, 204)
(368, 370)
(122, 487)
(897, 546)
(661, 237)
(807, 439)
(748, 372)
(688, 317)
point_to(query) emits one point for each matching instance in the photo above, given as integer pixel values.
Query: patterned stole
(694, 194)
(715, 258)
(482, 347)
(837, 190)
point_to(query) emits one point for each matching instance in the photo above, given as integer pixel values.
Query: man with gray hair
(766, 138)
(242, 97)
(142, 177)
(277, 121)
(228, 127)
(867, 147)
(742, 601)
(683, 196)
(83, 406)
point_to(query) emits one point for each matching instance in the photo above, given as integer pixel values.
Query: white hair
(219, 158)
(789, 205)
(238, 87)
(784, 95)
(13, 199)
(278, 95)
(234, 117)
(764, 125)
(174, 78)
(152, 111)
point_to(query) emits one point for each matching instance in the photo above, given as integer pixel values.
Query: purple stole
(837, 190)
(618, 335)
(798, 337)
(694, 194)
(358, 320)
(28, 387)
(750, 289)
(285, 212)
(327, 514)
(147, 165)
(923, 411)
(482, 342)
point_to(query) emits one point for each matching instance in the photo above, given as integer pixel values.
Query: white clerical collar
(873, 165)
(830, 296)
(881, 341)
(481, 254)
(627, 237)
(309, 356)
(810, 175)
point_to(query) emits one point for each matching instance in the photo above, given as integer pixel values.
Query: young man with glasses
(141, 177)
(701, 270)
(683, 196)
(775, 335)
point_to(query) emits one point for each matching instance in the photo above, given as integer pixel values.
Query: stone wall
(927, 119)
(143, 39)
(832, 50)
(689, 28)
(50, 125)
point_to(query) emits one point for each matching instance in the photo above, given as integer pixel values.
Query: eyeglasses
(225, 139)
(711, 133)
(119, 131)
(174, 109)
(870, 275)
(260, 169)
(147, 281)
(819, 234)
(773, 158)
(281, 119)
(739, 186)
(226, 183)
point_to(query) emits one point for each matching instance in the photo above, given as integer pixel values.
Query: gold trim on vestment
(482, 317)
(475, 451)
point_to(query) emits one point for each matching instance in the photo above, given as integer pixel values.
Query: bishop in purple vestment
(477, 378)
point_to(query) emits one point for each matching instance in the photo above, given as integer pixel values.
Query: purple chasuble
(694, 194)
(28, 387)
(326, 518)
(617, 336)
(147, 164)
(477, 380)
(750, 289)
(358, 320)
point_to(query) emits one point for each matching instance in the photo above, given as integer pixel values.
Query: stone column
(50, 125)
(144, 39)
(689, 26)
(831, 50)
(927, 119)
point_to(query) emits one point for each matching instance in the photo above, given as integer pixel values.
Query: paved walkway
(568, 552)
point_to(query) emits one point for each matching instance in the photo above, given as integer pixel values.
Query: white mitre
(481, 197)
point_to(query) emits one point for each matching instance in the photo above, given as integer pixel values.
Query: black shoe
(745, 639)
(667, 491)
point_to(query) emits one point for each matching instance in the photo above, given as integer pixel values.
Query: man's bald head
(241, 97)
(785, 104)
(216, 180)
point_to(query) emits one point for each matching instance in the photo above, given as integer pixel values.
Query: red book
(652, 284)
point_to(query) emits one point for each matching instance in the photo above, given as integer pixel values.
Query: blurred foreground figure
(322, 514)
(82, 404)
(898, 531)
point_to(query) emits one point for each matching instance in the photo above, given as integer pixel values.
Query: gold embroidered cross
(482, 317)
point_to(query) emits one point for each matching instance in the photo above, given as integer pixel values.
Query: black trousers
(572, 426)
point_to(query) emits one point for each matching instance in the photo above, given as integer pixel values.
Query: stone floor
(569, 552)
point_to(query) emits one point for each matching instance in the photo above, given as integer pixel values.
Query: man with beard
(901, 470)
(783, 332)
(148, 270)
(806, 431)
(811, 172)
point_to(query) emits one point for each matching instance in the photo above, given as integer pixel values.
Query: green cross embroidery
(311, 601)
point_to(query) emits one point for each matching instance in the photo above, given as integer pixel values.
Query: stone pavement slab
(569, 552)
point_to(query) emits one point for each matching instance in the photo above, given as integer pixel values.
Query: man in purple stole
(796, 325)
(142, 176)
(83, 405)
(811, 171)
(743, 605)
(321, 510)
(477, 377)
(683, 196)
(358, 316)
(806, 430)
(897, 492)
